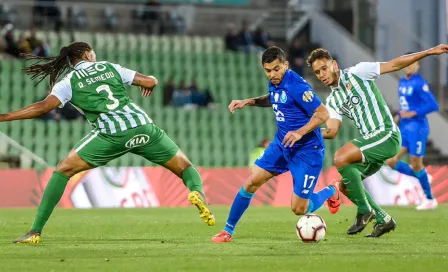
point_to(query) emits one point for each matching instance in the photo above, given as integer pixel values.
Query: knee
(300, 209)
(184, 166)
(417, 166)
(340, 160)
(66, 168)
(252, 184)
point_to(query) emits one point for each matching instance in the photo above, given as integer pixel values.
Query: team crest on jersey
(308, 96)
(348, 86)
(355, 100)
(425, 88)
(283, 97)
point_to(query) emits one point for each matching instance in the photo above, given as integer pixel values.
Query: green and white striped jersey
(358, 98)
(97, 90)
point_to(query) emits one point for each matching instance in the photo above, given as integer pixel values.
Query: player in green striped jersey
(119, 125)
(355, 95)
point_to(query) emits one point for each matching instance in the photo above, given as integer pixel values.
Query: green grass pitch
(175, 239)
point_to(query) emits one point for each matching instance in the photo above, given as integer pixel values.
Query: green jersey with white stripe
(358, 98)
(97, 90)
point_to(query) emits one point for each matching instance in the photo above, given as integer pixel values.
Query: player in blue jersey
(297, 147)
(416, 101)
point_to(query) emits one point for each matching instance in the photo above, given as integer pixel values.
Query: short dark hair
(318, 53)
(272, 53)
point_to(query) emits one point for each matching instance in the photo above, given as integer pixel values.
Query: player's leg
(94, 150)
(376, 151)
(304, 200)
(345, 160)
(162, 150)
(417, 150)
(270, 163)
(420, 173)
(395, 162)
(398, 165)
(242, 200)
(305, 168)
(181, 166)
(367, 170)
(67, 167)
(364, 174)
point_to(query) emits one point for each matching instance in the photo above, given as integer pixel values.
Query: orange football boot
(222, 237)
(334, 202)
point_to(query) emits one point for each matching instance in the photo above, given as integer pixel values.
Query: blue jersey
(294, 103)
(415, 95)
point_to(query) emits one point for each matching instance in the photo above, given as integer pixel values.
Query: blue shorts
(305, 166)
(414, 139)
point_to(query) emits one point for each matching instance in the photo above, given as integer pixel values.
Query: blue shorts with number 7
(305, 165)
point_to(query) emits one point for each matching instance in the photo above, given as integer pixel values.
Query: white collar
(82, 65)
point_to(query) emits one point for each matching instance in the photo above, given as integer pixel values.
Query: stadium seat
(212, 138)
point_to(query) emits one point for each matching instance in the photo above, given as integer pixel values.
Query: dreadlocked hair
(55, 66)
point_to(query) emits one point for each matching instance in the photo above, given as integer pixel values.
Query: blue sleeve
(305, 97)
(429, 103)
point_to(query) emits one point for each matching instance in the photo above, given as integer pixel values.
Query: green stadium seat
(210, 137)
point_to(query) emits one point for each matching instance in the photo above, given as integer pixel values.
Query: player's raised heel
(196, 198)
(382, 228)
(334, 202)
(222, 237)
(361, 222)
(32, 237)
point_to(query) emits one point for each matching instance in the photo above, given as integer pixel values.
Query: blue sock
(424, 182)
(239, 206)
(318, 199)
(404, 168)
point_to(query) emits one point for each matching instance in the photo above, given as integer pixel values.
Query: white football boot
(427, 204)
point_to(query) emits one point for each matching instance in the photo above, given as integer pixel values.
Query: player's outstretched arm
(146, 83)
(332, 128)
(35, 110)
(261, 101)
(406, 60)
(319, 117)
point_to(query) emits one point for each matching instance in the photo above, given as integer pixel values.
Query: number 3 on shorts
(111, 97)
(419, 147)
(310, 179)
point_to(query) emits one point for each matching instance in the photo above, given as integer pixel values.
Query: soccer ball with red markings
(311, 228)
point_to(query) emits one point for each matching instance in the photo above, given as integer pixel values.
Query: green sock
(352, 180)
(381, 216)
(192, 179)
(52, 194)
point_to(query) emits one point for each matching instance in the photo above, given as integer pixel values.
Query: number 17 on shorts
(305, 181)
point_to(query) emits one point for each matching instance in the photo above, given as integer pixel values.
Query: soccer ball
(311, 228)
